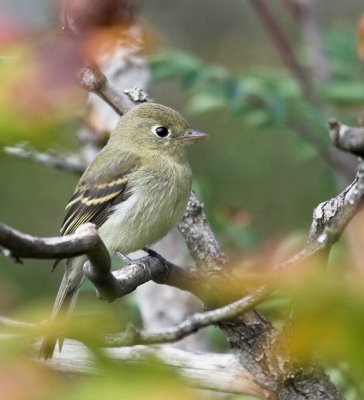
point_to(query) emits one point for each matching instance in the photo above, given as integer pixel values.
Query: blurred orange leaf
(360, 36)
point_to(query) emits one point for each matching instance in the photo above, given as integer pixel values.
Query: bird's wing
(93, 200)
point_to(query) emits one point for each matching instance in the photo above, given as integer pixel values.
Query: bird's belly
(142, 220)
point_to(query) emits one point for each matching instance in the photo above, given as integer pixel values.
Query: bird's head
(156, 128)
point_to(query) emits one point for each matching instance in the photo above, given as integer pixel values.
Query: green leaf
(206, 101)
(168, 65)
(258, 118)
(341, 48)
(350, 93)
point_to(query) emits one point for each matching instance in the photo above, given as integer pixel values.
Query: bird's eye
(161, 131)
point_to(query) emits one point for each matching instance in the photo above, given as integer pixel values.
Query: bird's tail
(64, 304)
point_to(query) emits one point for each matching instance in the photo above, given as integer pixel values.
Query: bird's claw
(153, 253)
(127, 260)
(124, 258)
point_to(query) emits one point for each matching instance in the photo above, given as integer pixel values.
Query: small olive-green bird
(135, 191)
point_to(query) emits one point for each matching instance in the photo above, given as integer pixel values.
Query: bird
(134, 191)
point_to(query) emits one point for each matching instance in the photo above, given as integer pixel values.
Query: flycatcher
(134, 191)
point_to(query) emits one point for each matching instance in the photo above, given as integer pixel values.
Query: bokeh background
(258, 175)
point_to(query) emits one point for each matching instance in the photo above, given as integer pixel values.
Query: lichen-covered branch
(347, 138)
(331, 217)
(204, 248)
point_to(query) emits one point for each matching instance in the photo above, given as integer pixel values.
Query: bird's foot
(153, 253)
(127, 260)
(143, 262)
(124, 258)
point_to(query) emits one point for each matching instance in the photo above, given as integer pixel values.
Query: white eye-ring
(161, 131)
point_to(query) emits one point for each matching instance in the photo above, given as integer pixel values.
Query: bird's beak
(193, 135)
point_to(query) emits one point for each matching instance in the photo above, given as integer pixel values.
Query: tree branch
(84, 241)
(93, 80)
(66, 162)
(347, 138)
(200, 239)
(133, 336)
(217, 372)
(306, 14)
(331, 217)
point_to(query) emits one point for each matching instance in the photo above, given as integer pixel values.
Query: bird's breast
(156, 203)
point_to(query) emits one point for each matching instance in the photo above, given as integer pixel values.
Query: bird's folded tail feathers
(64, 304)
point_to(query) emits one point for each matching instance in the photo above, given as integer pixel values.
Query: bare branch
(347, 138)
(211, 371)
(190, 325)
(204, 248)
(330, 218)
(112, 285)
(133, 336)
(121, 282)
(84, 241)
(93, 80)
(66, 162)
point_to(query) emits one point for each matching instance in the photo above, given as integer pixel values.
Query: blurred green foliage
(265, 97)
(254, 102)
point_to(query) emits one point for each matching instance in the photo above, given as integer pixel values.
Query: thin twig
(307, 16)
(190, 325)
(133, 336)
(93, 80)
(335, 159)
(66, 162)
(284, 48)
